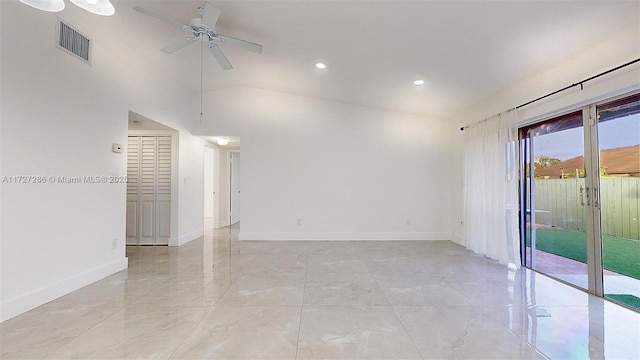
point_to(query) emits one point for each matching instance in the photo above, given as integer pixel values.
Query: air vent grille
(74, 42)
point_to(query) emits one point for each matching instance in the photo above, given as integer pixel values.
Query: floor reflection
(218, 297)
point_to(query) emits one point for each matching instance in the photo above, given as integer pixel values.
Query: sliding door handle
(584, 191)
(596, 197)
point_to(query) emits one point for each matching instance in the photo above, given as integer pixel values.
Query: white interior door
(209, 188)
(146, 197)
(133, 184)
(216, 188)
(163, 190)
(234, 162)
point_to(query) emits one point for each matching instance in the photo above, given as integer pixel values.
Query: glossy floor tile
(353, 332)
(343, 289)
(135, 332)
(245, 332)
(220, 298)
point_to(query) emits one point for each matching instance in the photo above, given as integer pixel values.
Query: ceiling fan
(204, 28)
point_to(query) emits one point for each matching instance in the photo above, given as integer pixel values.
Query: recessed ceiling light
(321, 65)
(418, 82)
(222, 141)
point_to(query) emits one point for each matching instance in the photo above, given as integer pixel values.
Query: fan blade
(219, 55)
(210, 15)
(256, 48)
(178, 45)
(160, 17)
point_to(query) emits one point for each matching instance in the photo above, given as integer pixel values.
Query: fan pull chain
(201, 77)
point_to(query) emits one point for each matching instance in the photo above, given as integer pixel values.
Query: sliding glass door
(580, 202)
(619, 194)
(556, 227)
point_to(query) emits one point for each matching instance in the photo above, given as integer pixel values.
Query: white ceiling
(465, 50)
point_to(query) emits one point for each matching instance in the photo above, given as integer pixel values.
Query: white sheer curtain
(491, 189)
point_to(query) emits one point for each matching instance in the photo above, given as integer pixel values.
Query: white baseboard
(345, 236)
(21, 304)
(457, 238)
(186, 238)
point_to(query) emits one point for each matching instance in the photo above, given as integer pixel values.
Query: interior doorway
(221, 181)
(210, 191)
(151, 202)
(234, 188)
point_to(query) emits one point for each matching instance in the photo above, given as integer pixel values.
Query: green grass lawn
(619, 255)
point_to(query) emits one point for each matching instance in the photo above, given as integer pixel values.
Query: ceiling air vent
(74, 42)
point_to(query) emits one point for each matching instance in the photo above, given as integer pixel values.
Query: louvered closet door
(133, 179)
(163, 193)
(149, 190)
(147, 195)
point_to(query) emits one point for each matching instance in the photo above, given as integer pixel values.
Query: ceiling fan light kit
(98, 7)
(45, 5)
(203, 28)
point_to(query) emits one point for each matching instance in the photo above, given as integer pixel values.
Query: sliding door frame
(592, 186)
(592, 194)
(591, 198)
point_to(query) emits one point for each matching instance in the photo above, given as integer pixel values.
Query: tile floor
(218, 298)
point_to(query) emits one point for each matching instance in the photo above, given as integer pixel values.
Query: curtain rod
(579, 83)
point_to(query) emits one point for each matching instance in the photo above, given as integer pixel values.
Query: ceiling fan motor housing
(196, 23)
(205, 31)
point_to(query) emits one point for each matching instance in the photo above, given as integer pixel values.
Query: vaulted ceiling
(464, 50)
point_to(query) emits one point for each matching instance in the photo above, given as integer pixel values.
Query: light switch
(116, 148)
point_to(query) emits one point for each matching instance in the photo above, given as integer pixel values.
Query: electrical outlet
(299, 222)
(114, 243)
(408, 221)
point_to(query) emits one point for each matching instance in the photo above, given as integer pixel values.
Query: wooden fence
(558, 204)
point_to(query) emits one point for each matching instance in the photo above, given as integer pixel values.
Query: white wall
(346, 171)
(191, 157)
(610, 53)
(60, 117)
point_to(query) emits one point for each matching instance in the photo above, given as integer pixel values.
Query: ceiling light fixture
(222, 141)
(321, 65)
(45, 5)
(98, 7)
(418, 82)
